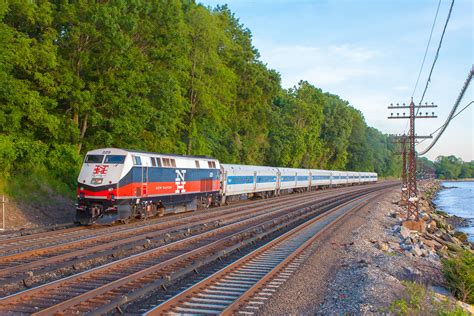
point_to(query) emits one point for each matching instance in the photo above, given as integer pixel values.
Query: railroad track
(103, 288)
(24, 265)
(59, 236)
(243, 286)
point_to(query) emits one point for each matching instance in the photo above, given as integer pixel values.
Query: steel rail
(11, 271)
(133, 262)
(194, 300)
(58, 236)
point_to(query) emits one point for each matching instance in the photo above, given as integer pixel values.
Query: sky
(370, 53)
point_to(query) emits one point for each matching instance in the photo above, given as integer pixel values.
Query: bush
(459, 274)
(419, 301)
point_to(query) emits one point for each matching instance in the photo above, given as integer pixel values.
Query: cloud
(401, 88)
(323, 66)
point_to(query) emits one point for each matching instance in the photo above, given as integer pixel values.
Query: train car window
(117, 159)
(153, 161)
(213, 164)
(209, 164)
(158, 161)
(94, 158)
(166, 162)
(137, 161)
(197, 163)
(173, 163)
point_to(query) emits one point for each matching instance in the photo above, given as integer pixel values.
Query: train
(118, 184)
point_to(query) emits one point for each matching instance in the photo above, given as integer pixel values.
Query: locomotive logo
(180, 181)
(100, 169)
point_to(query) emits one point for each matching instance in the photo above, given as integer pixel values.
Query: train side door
(145, 181)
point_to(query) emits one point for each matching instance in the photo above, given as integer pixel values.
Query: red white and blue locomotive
(118, 184)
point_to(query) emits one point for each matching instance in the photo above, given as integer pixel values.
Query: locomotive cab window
(137, 161)
(168, 162)
(197, 163)
(211, 164)
(153, 161)
(158, 162)
(116, 159)
(94, 158)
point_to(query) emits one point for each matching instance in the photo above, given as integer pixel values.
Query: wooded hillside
(165, 75)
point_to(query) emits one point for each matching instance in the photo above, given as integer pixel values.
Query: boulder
(394, 245)
(433, 244)
(416, 250)
(418, 226)
(405, 247)
(462, 237)
(431, 226)
(405, 232)
(382, 246)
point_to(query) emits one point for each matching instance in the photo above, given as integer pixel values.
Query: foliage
(418, 300)
(168, 76)
(459, 274)
(451, 167)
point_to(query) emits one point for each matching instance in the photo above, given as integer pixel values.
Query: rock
(382, 246)
(394, 245)
(405, 247)
(448, 238)
(372, 240)
(462, 237)
(418, 226)
(408, 241)
(416, 250)
(431, 226)
(425, 217)
(405, 232)
(395, 228)
(433, 244)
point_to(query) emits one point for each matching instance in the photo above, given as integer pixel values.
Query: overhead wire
(451, 114)
(437, 54)
(424, 57)
(460, 111)
(427, 47)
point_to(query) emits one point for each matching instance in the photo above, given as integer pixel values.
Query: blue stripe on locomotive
(160, 174)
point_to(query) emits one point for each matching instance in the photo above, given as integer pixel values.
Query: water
(459, 201)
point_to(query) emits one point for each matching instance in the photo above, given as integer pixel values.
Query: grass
(418, 300)
(459, 275)
(34, 187)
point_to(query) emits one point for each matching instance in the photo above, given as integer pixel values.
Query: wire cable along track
(243, 286)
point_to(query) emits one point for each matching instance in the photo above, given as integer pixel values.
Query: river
(458, 199)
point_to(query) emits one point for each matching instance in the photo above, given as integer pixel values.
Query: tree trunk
(83, 132)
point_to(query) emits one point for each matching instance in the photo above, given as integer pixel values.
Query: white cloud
(323, 66)
(401, 88)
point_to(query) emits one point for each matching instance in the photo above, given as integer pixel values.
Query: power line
(464, 108)
(426, 51)
(437, 52)
(451, 114)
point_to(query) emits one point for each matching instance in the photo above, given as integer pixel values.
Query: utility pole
(411, 186)
(402, 140)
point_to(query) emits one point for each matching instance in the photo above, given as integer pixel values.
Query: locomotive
(118, 184)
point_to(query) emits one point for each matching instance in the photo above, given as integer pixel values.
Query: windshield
(94, 158)
(114, 159)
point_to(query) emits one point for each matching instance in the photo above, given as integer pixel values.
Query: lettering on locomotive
(180, 181)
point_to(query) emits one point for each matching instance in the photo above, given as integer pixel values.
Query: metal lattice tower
(409, 178)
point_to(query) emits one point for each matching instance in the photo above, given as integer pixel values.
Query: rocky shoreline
(379, 265)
